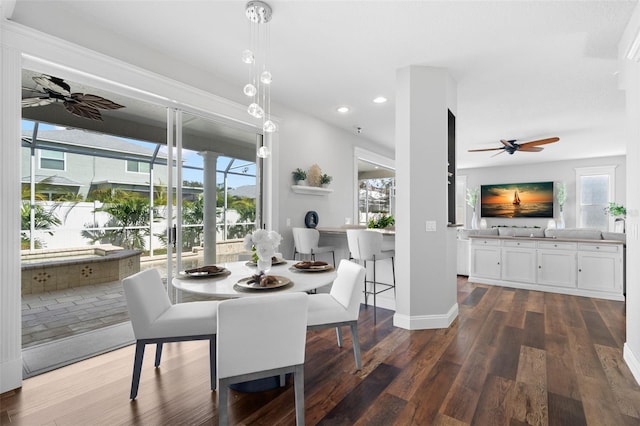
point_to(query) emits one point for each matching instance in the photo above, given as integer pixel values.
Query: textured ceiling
(525, 70)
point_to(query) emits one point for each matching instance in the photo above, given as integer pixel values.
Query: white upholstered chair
(341, 306)
(366, 246)
(156, 320)
(259, 337)
(306, 243)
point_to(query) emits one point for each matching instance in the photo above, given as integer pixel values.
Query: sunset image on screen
(517, 200)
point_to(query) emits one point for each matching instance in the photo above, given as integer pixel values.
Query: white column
(629, 49)
(210, 201)
(10, 287)
(425, 246)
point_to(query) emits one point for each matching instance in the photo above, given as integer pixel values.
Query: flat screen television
(509, 200)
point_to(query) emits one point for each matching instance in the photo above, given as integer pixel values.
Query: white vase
(560, 221)
(264, 266)
(474, 220)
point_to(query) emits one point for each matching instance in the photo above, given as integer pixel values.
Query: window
(595, 188)
(54, 160)
(137, 166)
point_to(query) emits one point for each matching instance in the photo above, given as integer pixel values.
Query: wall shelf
(310, 190)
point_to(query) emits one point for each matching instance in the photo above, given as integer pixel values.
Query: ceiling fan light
(255, 110)
(247, 56)
(250, 90)
(269, 126)
(265, 77)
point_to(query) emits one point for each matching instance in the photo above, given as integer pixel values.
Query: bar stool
(366, 246)
(306, 242)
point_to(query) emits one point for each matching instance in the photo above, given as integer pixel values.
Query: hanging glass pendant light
(259, 88)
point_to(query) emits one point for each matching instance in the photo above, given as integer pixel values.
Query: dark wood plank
(492, 407)
(355, 404)
(597, 329)
(561, 372)
(505, 362)
(565, 411)
(475, 296)
(534, 330)
(383, 411)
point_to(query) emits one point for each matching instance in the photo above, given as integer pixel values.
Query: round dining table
(226, 285)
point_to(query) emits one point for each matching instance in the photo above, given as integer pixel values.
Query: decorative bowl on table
(274, 261)
(263, 282)
(206, 271)
(311, 266)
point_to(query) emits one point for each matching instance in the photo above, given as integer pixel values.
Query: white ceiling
(525, 69)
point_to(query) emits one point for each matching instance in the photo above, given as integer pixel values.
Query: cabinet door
(557, 268)
(485, 261)
(463, 256)
(519, 265)
(599, 271)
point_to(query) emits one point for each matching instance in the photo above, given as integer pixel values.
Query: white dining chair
(260, 337)
(341, 306)
(366, 246)
(156, 320)
(306, 242)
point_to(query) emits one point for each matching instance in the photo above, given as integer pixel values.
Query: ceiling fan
(54, 89)
(512, 146)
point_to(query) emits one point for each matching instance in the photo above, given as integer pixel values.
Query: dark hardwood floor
(512, 357)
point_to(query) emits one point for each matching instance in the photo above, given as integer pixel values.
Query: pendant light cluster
(259, 89)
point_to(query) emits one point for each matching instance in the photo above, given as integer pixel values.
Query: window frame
(581, 172)
(126, 167)
(41, 157)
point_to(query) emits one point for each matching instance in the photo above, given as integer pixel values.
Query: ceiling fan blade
(95, 101)
(530, 149)
(53, 84)
(539, 142)
(485, 149)
(507, 143)
(498, 153)
(34, 102)
(83, 110)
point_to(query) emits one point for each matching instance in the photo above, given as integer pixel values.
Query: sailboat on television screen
(516, 199)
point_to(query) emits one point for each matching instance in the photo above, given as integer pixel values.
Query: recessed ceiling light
(380, 100)
(343, 109)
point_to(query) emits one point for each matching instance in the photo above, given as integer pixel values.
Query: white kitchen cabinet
(463, 256)
(557, 268)
(485, 258)
(600, 268)
(519, 261)
(589, 268)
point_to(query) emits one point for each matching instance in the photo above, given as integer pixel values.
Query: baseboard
(11, 374)
(632, 362)
(425, 322)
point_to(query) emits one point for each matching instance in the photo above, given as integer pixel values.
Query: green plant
(561, 194)
(299, 174)
(325, 179)
(382, 222)
(616, 210)
(472, 197)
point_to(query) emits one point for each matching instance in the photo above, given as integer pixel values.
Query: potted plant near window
(619, 212)
(299, 176)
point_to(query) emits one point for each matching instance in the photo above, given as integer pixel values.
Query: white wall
(630, 72)
(556, 171)
(304, 141)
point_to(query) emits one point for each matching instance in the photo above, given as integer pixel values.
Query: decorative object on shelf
(382, 222)
(311, 219)
(619, 212)
(561, 197)
(299, 176)
(483, 223)
(325, 180)
(314, 175)
(265, 244)
(472, 201)
(257, 56)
